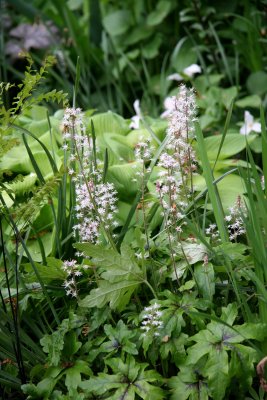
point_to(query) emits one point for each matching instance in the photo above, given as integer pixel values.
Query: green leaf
(71, 344)
(100, 384)
(183, 55)
(229, 313)
(193, 252)
(117, 146)
(257, 83)
(174, 348)
(122, 177)
(51, 271)
(253, 101)
(204, 275)
(116, 264)
(233, 144)
(118, 22)
(228, 95)
(229, 188)
(128, 379)
(109, 122)
(117, 295)
(35, 250)
(53, 344)
(160, 12)
(151, 49)
(120, 339)
(252, 331)
(217, 371)
(189, 385)
(73, 375)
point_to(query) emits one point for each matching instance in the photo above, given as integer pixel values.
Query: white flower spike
(249, 124)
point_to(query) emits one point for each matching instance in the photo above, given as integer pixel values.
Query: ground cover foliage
(133, 250)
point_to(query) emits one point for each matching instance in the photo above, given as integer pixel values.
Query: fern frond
(27, 212)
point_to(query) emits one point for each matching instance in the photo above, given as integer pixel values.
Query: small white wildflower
(249, 124)
(135, 124)
(188, 71)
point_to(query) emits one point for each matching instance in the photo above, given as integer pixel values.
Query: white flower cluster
(143, 150)
(95, 207)
(213, 232)
(151, 321)
(95, 201)
(73, 271)
(73, 127)
(234, 219)
(179, 161)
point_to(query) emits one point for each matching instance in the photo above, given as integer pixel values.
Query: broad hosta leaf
(117, 146)
(138, 135)
(16, 160)
(122, 176)
(51, 271)
(109, 122)
(230, 187)
(34, 247)
(233, 144)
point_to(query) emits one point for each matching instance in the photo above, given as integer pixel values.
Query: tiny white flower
(249, 124)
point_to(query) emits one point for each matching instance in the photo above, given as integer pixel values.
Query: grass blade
(212, 189)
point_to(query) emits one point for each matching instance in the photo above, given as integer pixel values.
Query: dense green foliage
(133, 251)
